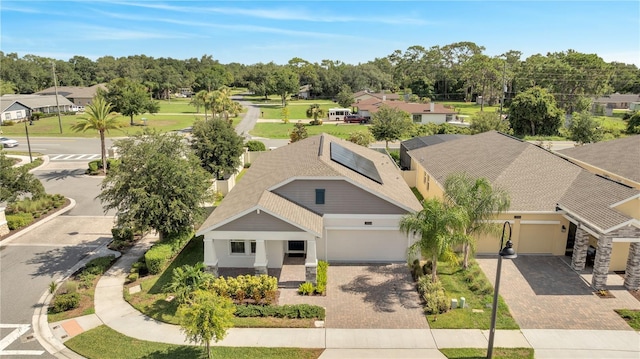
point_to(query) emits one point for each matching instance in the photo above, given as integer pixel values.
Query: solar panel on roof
(354, 162)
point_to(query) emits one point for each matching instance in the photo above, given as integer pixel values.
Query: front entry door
(296, 247)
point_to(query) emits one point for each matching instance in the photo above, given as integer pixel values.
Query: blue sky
(354, 32)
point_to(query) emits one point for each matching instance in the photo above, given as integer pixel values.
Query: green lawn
(468, 108)
(457, 283)
(631, 316)
(105, 343)
(297, 109)
(282, 130)
(498, 353)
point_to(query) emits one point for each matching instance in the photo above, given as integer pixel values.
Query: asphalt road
(45, 253)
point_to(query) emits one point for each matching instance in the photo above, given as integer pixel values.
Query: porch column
(601, 263)
(311, 263)
(580, 246)
(632, 272)
(260, 264)
(210, 257)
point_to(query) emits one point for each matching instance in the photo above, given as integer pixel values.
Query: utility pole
(55, 84)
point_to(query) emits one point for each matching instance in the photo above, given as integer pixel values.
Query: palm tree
(315, 111)
(202, 98)
(437, 226)
(480, 201)
(99, 118)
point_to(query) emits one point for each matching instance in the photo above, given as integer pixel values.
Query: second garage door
(366, 245)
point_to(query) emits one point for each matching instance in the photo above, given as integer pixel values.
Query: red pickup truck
(354, 119)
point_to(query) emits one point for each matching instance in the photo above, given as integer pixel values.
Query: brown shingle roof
(620, 156)
(73, 91)
(536, 179)
(302, 159)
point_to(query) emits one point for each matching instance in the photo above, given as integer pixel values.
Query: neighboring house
(557, 207)
(618, 100)
(304, 92)
(617, 159)
(381, 96)
(12, 110)
(420, 113)
(80, 96)
(322, 197)
(42, 103)
(419, 142)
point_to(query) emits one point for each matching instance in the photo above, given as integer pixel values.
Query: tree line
(454, 72)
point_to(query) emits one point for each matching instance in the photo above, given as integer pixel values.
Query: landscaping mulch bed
(48, 214)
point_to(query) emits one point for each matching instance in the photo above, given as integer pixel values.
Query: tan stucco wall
(630, 208)
(619, 255)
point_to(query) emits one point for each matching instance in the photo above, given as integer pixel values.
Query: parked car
(354, 119)
(7, 142)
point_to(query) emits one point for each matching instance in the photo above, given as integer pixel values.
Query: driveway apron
(543, 292)
(374, 296)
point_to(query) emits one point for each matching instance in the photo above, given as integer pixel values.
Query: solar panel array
(354, 162)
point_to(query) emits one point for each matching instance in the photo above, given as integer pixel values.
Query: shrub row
(64, 302)
(96, 165)
(417, 270)
(434, 296)
(158, 256)
(260, 288)
(19, 220)
(298, 311)
(321, 287)
(36, 206)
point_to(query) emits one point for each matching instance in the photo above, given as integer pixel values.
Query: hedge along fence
(260, 288)
(158, 256)
(297, 311)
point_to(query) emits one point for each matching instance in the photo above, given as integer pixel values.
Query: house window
(424, 177)
(253, 247)
(417, 118)
(428, 181)
(319, 196)
(237, 247)
(7, 115)
(449, 118)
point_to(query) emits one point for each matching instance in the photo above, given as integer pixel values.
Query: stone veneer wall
(580, 246)
(4, 227)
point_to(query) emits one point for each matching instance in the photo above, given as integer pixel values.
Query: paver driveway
(380, 296)
(543, 292)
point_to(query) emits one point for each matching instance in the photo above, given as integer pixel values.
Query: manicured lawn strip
(498, 353)
(178, 105)
(468, 108)
(297, 109)
(631, 316)
(452, 277)
(49, 126)
(282, 130)
(105, 343)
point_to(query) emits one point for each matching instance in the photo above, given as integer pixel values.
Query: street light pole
(26, 130)
(509, 253)
(504, 89)
(55, 84)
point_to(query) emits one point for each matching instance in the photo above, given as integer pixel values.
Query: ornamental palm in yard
(480, 201)
(314, 111)
(438, 226)
(99, 118)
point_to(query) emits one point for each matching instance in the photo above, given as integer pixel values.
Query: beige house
(40, 103)
(79, 95)
(323, 198)
(380, 96)
(420, 113)
(557, 207)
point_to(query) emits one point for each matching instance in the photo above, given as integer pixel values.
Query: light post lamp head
(508, 252)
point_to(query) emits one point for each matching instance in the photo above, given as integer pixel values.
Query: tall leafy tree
(218, 147)
(98, 117)
(584, 128)
(129, 98)
(345, 96)
(206, 317)
(480, 201)
(390, 124)
(158, 184)
(285, 83)
(17, 181)
(437, 226)
(489, 121)
(633, 123)
(534, 112)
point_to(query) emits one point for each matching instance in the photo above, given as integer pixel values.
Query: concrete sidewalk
(113, 311)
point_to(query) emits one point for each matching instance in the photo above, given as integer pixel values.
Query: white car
(7, 142)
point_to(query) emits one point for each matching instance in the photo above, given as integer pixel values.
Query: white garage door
(366, 245)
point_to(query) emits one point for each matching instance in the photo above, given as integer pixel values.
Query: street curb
(40, 321)
(45, 162)
(39, 223)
